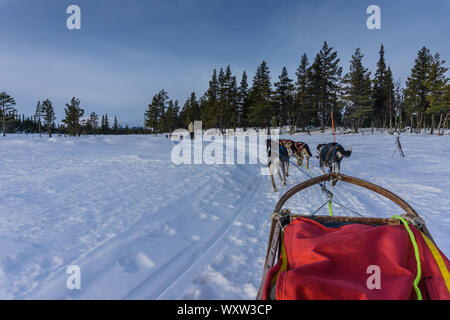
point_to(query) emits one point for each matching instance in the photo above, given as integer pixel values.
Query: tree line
(356, 99)
(43, 120)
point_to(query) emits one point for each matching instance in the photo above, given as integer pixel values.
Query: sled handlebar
(352, 180)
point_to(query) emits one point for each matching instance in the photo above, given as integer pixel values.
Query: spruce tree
(389, 84)
(49, 117)
(232, 111)
(38, 116)
(379, 93)
(191, 111)
(227, 100)
(170, 118)
(437, 84)
(93, 122)
(260, 97)
(102, 124)
(326, 76)
(283, 97)
(73, 116)
(243, 102)
(417, 87)
(105, 124)
(116, 126)
(7, 110)
(357, 90)
(303, 111)
(209, 103)
(155, 111)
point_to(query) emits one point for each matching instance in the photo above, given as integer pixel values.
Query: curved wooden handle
(352, 180)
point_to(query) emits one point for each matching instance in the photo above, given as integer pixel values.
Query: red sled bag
(357, 262)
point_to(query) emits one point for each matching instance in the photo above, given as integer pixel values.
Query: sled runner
(330, 257)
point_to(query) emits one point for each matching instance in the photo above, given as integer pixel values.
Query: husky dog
(301, 150)
(331, 155)
(280, 161)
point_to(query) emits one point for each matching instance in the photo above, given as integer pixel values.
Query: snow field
(141, 227)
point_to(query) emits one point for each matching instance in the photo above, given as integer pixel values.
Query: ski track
(140, 227)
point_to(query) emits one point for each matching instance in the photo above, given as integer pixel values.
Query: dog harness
(299, 147)
(325, 149)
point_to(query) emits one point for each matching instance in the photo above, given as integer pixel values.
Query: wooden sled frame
(281, 218)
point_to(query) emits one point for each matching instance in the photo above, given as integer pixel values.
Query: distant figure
(191, 130)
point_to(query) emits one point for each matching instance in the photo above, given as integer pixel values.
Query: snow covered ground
(141, 227)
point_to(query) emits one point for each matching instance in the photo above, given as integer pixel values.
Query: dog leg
(271, 177)
(287, 169)
(281, 173)
(273, 184)
(307, 160)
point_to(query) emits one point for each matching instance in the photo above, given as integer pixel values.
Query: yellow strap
(416, 253)
(439, 260)
(283, 262)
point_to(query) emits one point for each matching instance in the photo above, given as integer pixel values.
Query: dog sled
(352, 258)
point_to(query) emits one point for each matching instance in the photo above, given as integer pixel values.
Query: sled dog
(300, 150)
(280, 162)
(331, 155)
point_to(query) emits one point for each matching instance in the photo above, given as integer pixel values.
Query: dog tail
(307, 150)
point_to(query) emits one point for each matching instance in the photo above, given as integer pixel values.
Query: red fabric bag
(332, 263)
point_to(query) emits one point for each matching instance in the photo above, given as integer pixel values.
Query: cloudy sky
(126, 51)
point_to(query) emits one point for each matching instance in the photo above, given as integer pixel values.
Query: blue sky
(128, 50)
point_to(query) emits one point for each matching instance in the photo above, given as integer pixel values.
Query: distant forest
(74, 123)
(357, 100)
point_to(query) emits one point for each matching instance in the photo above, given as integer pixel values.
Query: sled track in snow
(191, 254)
